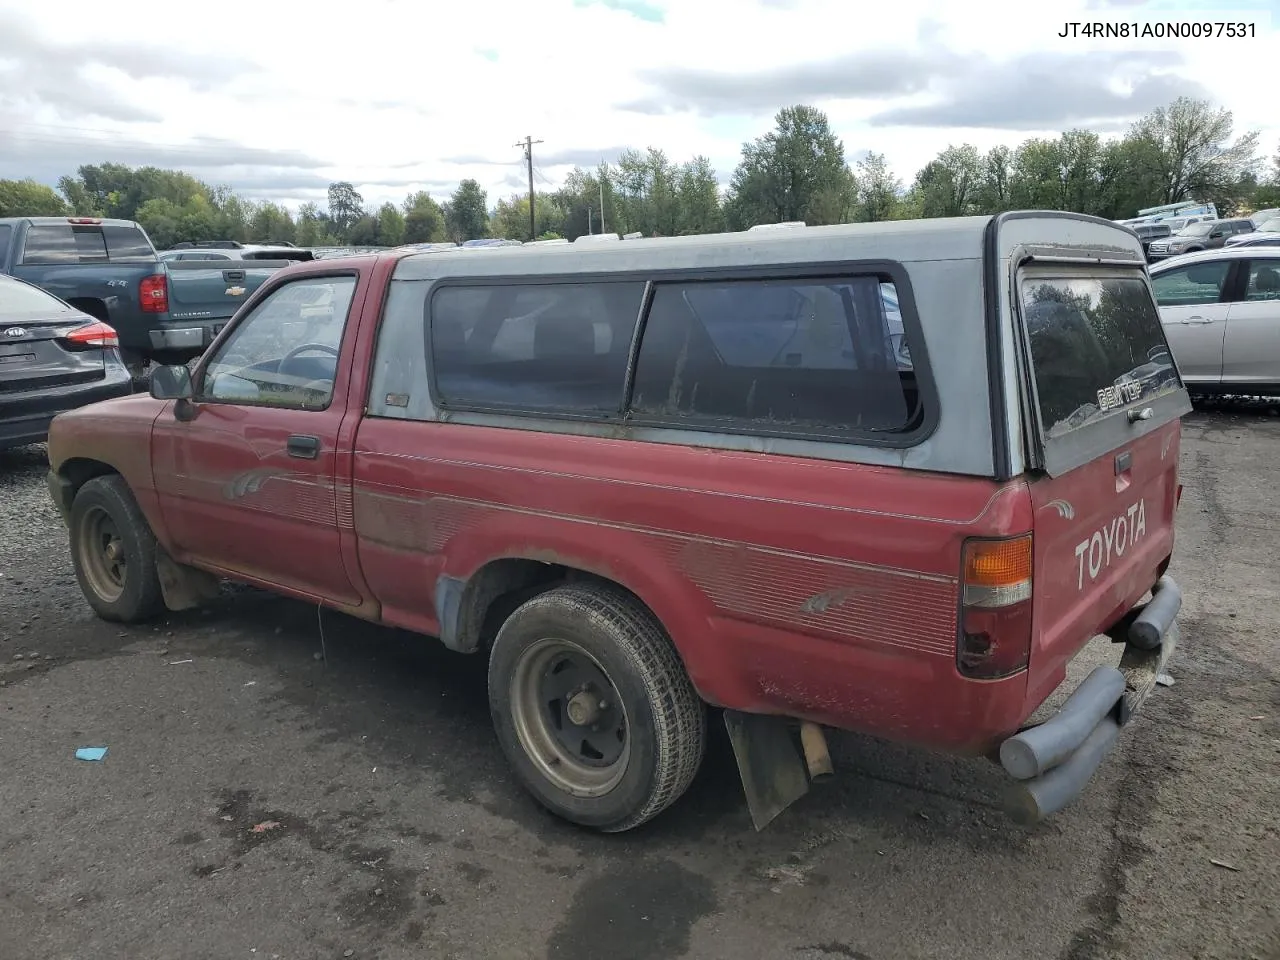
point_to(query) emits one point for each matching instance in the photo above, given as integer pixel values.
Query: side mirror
(171, 383)
(1217, 235)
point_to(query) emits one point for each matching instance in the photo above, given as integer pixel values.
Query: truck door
(248, 484)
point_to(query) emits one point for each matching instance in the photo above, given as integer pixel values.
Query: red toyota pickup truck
(882, 477)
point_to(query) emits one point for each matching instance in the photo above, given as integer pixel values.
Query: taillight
(995, 611)
(93, 335)
(154, 292)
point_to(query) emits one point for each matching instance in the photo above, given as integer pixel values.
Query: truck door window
(544, 346)
(285, 352)
(808, 357)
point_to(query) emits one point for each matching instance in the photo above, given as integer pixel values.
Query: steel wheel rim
(545, 699)
(102, 554)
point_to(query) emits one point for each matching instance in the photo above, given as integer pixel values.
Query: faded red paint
(814, 589)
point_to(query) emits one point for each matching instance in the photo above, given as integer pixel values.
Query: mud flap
(770, 764)
(181, 586)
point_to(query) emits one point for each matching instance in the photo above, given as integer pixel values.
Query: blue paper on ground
(91, 753)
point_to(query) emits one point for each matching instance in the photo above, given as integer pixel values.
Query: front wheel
(114, 552)
(593, 707)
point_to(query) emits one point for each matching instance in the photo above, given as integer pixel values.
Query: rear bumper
(31, 424)
(1053, 762)
(185, 335)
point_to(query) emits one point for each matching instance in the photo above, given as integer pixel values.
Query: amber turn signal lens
(997, 563)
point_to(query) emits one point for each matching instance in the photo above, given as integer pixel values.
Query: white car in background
(1221, 315)
(1266, 235)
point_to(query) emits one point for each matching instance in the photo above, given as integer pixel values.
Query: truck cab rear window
(814, 357)
(127, 243)
(85, 243)
(1096, 345)
(63, 243)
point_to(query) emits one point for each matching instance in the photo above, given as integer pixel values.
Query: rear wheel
(593, 707)
(114, 552)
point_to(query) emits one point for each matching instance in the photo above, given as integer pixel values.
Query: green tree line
(799, 170)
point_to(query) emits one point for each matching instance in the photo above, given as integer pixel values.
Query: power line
(542, 178)
(528, 143)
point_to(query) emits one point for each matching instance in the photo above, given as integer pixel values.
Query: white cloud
(397, 95)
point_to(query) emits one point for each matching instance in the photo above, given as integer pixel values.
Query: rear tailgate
(1108, 399)
(214, 290)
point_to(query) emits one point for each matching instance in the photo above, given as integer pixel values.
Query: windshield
(1271, 226)
(1196, 229)
(1096, 345)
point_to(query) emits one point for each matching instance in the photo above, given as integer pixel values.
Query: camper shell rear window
(1096, 346)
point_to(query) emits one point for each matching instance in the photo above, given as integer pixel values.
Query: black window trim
(828, 270)
(247, 311)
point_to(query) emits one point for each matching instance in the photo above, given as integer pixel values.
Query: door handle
(1198, 320)
(306, 448)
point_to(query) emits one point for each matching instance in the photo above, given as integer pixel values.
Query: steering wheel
(306, 348)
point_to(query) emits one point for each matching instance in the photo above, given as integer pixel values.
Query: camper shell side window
(835, 356)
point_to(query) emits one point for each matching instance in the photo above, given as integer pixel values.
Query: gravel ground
(259, 802)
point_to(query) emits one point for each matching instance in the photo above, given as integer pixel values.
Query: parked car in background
(1267, 234)
(1148, 232)
(1205, 235)
(161, 311)
(643, 476)
(53, 357)
(1177, 224)
(1221, 315)
(105, 268)
(233, 250)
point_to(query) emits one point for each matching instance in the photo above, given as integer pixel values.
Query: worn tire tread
(679, 715)
(149, 601)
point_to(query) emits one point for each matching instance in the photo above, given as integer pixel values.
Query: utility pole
(528, 143)
(604, 172)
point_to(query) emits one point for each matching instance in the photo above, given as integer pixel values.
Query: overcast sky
(279, 99)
